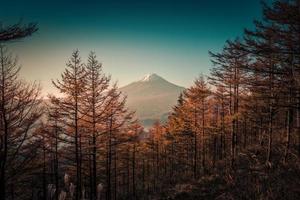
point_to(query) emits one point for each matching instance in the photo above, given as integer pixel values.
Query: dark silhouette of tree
(17, 31)
(19, 112)
(117, 117)
(229, 73)
(97, 100)
(72, 86)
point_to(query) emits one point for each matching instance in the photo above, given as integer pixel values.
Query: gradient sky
(131, 38)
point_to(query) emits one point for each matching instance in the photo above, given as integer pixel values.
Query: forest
(234, 134)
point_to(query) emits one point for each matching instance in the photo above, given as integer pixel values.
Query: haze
(170, 38)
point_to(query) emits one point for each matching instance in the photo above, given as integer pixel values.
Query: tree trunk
(109, 161)
(195, 144)
(133, 172)
(4, 139)
(288, 126)
(78, 181)
(56, 162)
(298, 121)
(94, 162)
(203, 135)
(44, 170)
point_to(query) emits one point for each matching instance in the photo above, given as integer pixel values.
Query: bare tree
(72, 86)
(97, 100)
(19, 112)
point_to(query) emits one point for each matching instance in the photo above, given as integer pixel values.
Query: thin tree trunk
(94, 163)
(94, 159)
(4, 140)
(203, 135)
(133, 172)
(195, 144)
(298, 120)
(109, 160)
(288, 126)
(271, 111)
(115, 172)
(215, 151)
(143, 177)
(128, 173)
(44, 170)
(223, 147)
(78, 181)
(56, 162)
(91, 172)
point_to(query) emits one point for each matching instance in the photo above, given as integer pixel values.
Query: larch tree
(54, 133)
(72, 87)
(19, 113)
(97, 100)
(282, 22)
(117, 117)
(196, 99)
(229, 72)
(135, 130)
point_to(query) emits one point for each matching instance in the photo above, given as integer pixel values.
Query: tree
(117, 117)
(274, 46)
(134, 132)
(72, 86)
(229, 73)
(19, 112)
(97, 100)
(196, 100)
(53, 132)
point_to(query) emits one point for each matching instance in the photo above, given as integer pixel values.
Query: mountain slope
(152, 98)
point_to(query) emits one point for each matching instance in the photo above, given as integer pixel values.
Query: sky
(131, 38)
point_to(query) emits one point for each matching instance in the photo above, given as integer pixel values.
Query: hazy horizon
(170, 38)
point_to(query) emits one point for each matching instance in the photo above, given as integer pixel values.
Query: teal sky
(131, 38)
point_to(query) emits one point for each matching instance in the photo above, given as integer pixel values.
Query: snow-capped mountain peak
(151, 77)
(152, 97)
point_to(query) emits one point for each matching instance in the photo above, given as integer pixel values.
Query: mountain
(152, 98)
